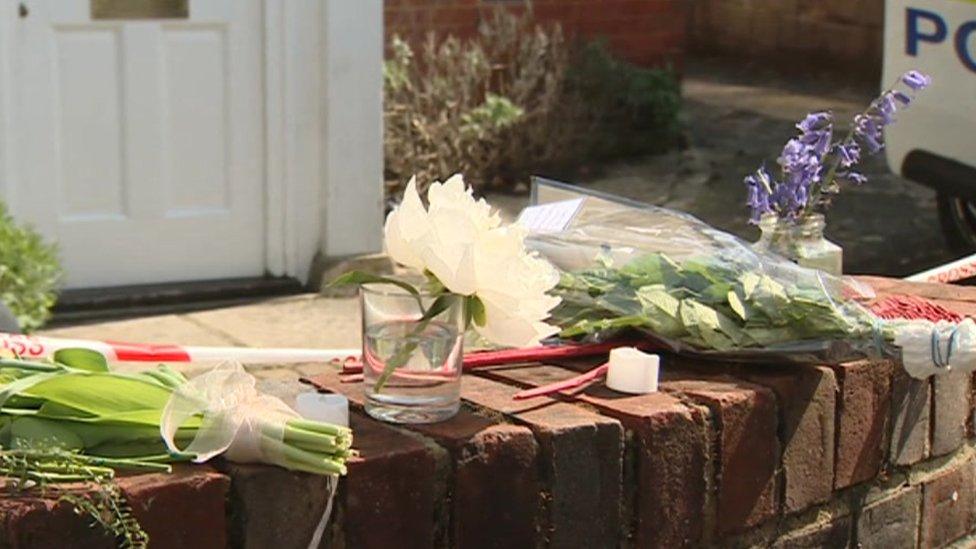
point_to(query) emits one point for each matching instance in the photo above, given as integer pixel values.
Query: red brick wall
(841, 33)
(647, 32)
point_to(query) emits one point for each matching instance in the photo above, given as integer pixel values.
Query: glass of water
(412, 354)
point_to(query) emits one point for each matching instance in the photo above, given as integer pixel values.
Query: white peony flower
(406, 224)
(461, 242)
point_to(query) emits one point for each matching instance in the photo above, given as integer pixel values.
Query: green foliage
(42, 469)
(29, 272)
(517, 100)
(710, 306)
(113, 419)
(637, 107)
(494, 114)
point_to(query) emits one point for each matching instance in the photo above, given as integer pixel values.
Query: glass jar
(801, 242)
(411, 365)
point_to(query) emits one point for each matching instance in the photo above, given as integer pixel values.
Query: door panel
(139, 143)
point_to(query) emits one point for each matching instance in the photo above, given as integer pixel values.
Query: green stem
(402, 356)
(316, 442)
(30, 366)
(320, 427)
(130, 464)
(306, 461)
(817, 190)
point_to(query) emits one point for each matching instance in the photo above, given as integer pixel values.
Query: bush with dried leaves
(516, 99)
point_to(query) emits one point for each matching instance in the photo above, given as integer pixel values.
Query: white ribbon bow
(238, 421)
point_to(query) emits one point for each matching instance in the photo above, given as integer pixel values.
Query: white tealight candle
(632, 371)
(325, 407)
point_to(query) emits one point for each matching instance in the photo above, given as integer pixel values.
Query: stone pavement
(296, 321)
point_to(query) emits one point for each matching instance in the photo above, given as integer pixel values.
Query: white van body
(936, 145)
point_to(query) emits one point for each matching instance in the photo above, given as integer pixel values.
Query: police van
(936, 145)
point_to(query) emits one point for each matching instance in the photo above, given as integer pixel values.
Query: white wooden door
(138, 144)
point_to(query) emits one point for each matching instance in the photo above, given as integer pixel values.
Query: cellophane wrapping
(700, 290)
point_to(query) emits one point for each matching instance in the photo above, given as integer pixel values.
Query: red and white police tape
(43, 347)
(950, 272)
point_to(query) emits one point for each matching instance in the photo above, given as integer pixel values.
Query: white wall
(353, 136)
(325, 124)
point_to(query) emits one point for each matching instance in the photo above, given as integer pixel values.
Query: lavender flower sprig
(813, 166)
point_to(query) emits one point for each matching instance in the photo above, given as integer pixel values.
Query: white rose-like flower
(460, 241)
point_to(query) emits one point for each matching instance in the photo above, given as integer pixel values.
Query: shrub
(516, 100)
(453, 105)
(637, 107)
(29, 272)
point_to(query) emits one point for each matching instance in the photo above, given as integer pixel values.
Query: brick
(807, 404)
(746, 418)
(496, 496)
(832, 533)
(580, 454)
(490, 463)
(890, 522)
(29, 522)
(392, 484)
(911, 404)
(950, 411)
(949, 505)
(669, 444)
(603, 19)
(863, 404)
(182, 509)
(271, 506)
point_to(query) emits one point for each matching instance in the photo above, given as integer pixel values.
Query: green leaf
(82, 359)
(658, 297)
(358, 278)
(749, 281)
(441, 304)
(29, 430)
(735, 303)
(475, 310)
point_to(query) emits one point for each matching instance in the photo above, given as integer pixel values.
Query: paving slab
(301, 321)
(174, 328)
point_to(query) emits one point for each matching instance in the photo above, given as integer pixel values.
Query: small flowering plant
(813, 165)
(463, 250)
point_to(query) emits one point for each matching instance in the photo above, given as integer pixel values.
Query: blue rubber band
(878, 335)
(940, 361)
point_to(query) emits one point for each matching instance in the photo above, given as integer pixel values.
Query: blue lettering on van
(914, 34)
(962, 45)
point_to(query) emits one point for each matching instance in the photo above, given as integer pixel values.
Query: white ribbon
(238, 421)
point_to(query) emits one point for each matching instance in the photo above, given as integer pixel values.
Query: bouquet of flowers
(459, 249)
(75, 403)
(814, 166)
(704, 291)
(697, 289)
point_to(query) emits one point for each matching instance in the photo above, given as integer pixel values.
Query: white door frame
(324, 131)
(323, 128)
